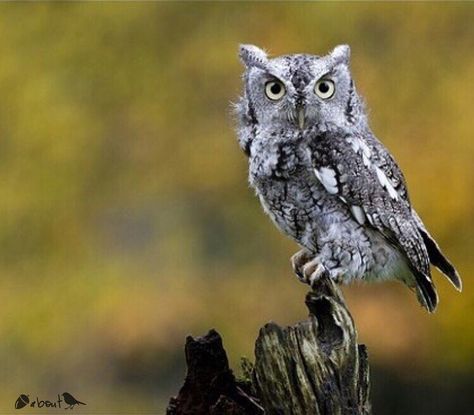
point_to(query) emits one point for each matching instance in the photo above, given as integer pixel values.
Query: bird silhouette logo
(71, 400)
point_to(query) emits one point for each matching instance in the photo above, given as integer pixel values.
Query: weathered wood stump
(210, 387)
(314, 367)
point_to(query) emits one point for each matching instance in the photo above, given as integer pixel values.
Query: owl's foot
(313, 271)
(298, 261)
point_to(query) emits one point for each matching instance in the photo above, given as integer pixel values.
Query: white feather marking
(327, 177)
(393, 193)
(366, 160)
(369, 218)
(354, 142)
(386, 183)
(365, 148)
(358, 214)
(318, 176)
(381, 176)
(357, 145)
(343, 199)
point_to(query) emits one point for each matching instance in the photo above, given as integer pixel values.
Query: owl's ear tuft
(251, 55)
(341, 54)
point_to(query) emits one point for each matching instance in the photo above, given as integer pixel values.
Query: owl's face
(299, 91)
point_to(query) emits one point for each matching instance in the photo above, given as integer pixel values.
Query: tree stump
(314, 367)
(210, 387)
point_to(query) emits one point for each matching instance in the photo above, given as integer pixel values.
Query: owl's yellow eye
(324, 88)
(274, 90)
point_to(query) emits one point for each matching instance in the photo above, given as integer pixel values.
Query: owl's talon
(313, 271)
(319, 272)
(298, 261)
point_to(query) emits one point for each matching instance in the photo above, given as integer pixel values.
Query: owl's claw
(307, 268)
(298, 261)
(313, 271)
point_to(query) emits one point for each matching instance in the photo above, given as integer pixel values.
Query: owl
(325, 180)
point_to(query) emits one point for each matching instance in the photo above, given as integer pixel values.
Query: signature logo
(67, 402)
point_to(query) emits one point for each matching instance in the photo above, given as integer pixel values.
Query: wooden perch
(314, 367)
(210, 387)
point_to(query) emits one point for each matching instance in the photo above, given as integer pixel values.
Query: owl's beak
(301, 117)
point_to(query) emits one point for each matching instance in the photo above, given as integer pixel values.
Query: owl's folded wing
(360, 172)
(388, 165)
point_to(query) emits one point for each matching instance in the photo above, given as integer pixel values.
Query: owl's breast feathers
(276, 157)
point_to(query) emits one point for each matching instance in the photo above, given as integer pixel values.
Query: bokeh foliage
(126, 219)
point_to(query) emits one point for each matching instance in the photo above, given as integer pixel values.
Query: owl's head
(301, 91)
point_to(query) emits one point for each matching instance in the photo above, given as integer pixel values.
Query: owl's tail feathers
(440, 261)
(426, 291)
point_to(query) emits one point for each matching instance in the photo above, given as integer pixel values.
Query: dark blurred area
(126, 218)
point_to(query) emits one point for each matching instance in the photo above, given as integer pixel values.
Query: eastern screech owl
(325, 179)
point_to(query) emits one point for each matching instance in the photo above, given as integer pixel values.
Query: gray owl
(325, 180)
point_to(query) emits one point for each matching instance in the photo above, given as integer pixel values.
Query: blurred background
(126, 218)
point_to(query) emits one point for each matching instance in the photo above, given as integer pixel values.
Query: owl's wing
(389, 166)
(360, 171)
(385, 161)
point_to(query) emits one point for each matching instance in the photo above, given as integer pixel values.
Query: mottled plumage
(324, 178)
